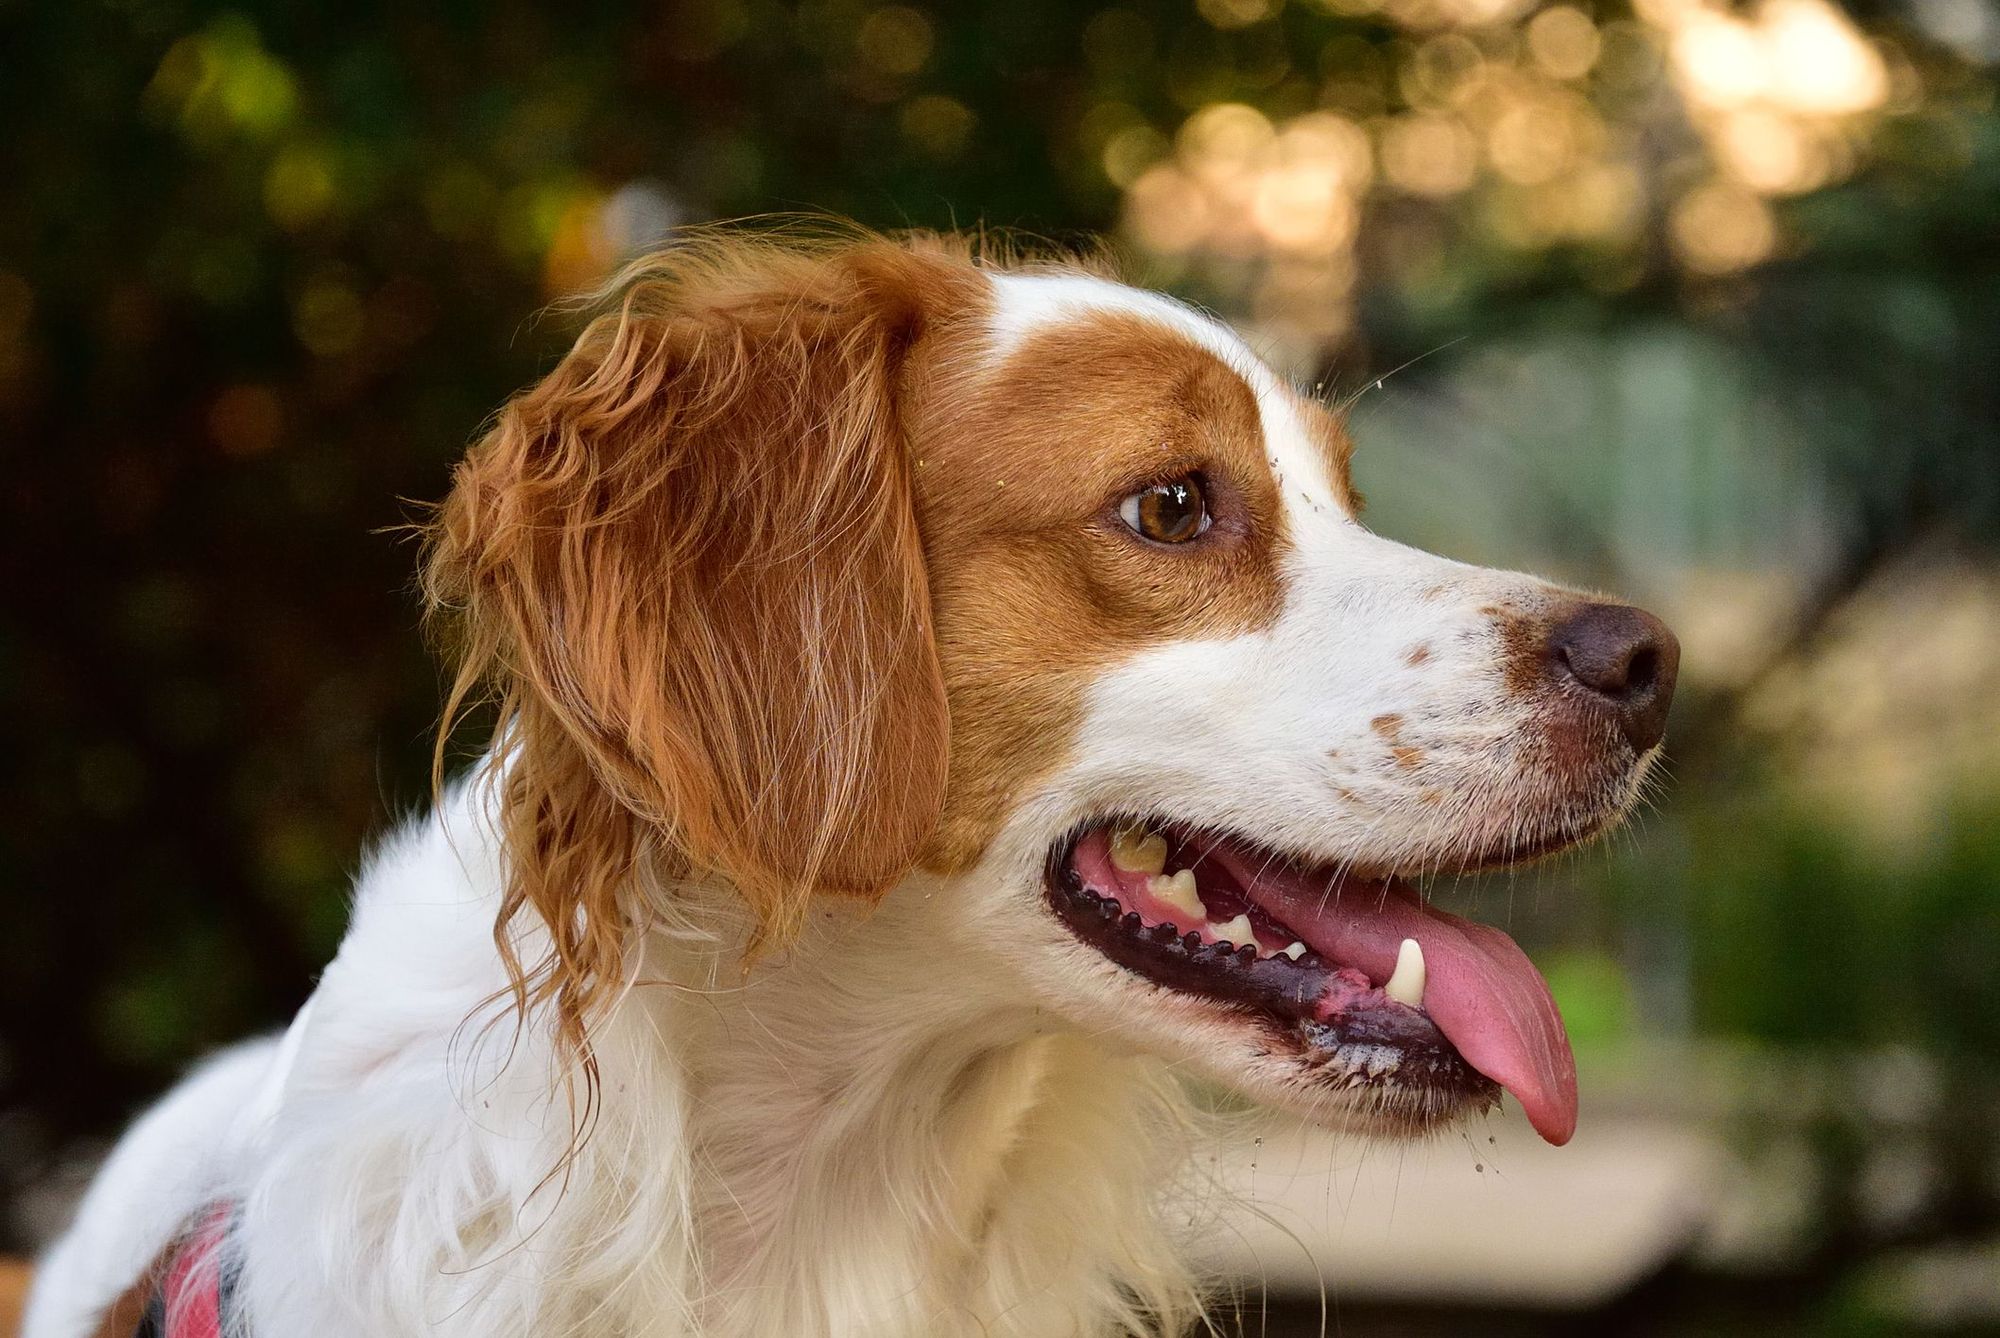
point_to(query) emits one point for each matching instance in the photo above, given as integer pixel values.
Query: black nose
(1624, 655)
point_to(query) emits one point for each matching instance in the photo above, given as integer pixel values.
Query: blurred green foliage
(1799, 933)
(1806, 937)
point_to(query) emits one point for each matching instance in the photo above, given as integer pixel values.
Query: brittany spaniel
(936, 702)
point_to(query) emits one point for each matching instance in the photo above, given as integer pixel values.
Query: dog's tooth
(1235, 931)
(1136, 850)
(1294, 950)
(1406, 985)
(1178, 892)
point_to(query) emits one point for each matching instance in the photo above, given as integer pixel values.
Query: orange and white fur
(824, 594)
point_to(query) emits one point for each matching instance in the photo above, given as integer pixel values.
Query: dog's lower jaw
(952, 1164)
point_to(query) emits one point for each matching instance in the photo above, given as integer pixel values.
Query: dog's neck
(874, 1132)
(883, 1131)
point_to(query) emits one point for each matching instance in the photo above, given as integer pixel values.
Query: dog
(938, 701)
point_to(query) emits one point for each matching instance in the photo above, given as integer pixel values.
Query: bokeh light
(1655, 142)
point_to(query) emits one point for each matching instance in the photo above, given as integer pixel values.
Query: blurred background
(1690, 300)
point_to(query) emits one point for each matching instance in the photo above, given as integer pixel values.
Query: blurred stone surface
(1490, 1216)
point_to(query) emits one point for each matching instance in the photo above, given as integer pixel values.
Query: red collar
(194, 1295)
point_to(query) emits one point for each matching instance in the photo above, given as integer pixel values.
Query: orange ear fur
(686, 568)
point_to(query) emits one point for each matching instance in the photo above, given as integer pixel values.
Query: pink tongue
(1483, 992)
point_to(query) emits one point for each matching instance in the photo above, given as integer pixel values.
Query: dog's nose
(1627, 657)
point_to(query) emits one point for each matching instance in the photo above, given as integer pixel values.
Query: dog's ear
(687, 567)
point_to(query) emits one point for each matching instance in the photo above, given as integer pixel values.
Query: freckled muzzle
(1429, 1013)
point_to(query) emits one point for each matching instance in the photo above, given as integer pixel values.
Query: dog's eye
(1167, 513)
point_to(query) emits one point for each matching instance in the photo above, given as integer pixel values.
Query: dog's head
(812, 567)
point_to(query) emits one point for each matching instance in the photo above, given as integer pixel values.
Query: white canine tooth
(1294, 950)
(1235, 931)
(1179, 893)
(1406, 985)
(1136, 850)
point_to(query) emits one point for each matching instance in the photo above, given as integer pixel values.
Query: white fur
(186, 1151)
(930, 1120)
(881, 1134)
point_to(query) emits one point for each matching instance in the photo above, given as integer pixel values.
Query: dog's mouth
(1379, 992)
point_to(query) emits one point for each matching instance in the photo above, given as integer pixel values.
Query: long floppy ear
(687, 567)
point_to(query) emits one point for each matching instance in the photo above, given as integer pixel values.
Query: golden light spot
(581, 252)
(1803, 56)
(1630, 57)
(1819, 63)
(1720, 60)
(1605, 200)
(1444, 71)
(1564, 42)
(894, 40)
(1769, 153)
(1481, 12)
(1128, 153)
(1526, 115)
(1430, 14)
(1538, 138)
(937, 126)
(1330, 143)
(298, 186)
(1718, 228)
(1667, 13)
(1103, 120)
(1282, 202)
(1225, 138)
(1167, 211)
(1427, 154)
(1235, 13)
(222, 81)
(1309, 297)
(1389, 726)
(1304, 209)
(1407, 758)
(328, 318)
(1596, 202)
(531, 220)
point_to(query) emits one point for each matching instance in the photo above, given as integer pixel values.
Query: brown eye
(1167, 513)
